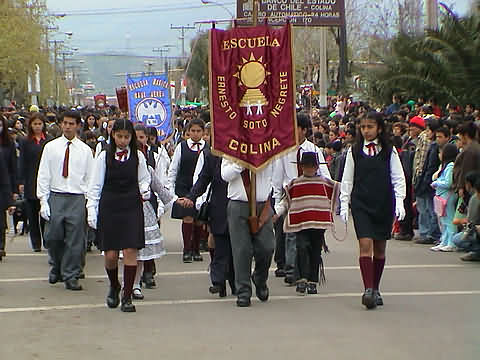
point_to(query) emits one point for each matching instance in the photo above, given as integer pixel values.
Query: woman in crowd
(30, 151)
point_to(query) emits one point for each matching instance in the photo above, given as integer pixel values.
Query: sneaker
(448, 248)
(137, 294)
(436, 248)
(301, 288)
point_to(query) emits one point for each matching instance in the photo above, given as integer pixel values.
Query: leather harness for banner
(255, 222)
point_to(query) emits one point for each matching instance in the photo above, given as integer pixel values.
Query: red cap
(417, 121)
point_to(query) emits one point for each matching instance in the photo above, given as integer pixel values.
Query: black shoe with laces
(312, 288)
(379, 298)
(369, 299)
(187, 257)
(301, 288)
(127, 305)
(197, 256)
(113, 297)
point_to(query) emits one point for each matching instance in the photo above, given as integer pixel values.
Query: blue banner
(149, 103)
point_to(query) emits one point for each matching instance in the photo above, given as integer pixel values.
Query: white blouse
(396, 173)
(97, 179)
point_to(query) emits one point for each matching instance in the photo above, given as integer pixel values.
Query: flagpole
(253, 178)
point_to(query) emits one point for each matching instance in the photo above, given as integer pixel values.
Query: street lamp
(212, 2)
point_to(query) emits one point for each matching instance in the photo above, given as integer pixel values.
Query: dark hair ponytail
(122, 124)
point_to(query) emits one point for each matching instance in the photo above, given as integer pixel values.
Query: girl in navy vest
(374, 184)
(180, 178)
(120, 183)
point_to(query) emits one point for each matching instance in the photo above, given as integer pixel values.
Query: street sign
(301, 12)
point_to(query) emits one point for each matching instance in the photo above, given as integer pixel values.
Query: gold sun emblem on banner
(252, 74)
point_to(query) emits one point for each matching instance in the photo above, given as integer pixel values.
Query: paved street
(431, 311)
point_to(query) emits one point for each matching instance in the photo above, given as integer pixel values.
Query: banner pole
(253, 177)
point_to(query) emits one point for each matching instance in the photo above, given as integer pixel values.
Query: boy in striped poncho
(310, 200)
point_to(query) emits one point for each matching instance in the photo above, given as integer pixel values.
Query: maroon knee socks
(378, 265)
(187, 232)
(129, 272)
(366, 267)
(196, 236)
(113, 277)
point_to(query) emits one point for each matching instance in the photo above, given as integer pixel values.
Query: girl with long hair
(120, 183)
(374, 184)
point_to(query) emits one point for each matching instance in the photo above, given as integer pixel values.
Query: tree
(197, 71)
(443, 63)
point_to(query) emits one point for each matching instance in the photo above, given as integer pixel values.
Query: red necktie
(299, 167)
(372, 149)
(65, 160)
(121, 154)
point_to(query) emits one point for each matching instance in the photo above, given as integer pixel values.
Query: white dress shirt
(285, 169)
(177, 156)
(97, 180)
(50, 178)
(396, 173)
(231, 173)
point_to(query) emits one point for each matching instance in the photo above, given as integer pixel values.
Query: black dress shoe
(73, 284)
(127, 305)
(113, 297)
(312, 288)
(37, 250)
(379, 298)
(369, 299)
(53, 277)
(289, 280)
(187, 257)
(279, 273)
(425, 241)
(81, 276)
(243, 302)
(261, 291)
(148, 280)
(197, 256)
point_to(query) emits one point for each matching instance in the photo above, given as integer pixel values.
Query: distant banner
(252, 94)
(149, 103)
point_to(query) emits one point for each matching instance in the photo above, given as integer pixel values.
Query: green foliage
(444, 63)
(198, 68)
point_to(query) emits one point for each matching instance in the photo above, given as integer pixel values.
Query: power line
(122, 11)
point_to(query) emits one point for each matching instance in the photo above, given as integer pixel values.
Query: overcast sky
(138, 28)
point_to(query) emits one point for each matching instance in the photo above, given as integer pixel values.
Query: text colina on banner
(252, 94)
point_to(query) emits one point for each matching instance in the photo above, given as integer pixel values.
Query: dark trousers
(279, 257)
(36, 224)
(309, 253)
(406, 225)
(221, 268)
(65, 234)
(3, 228)
(246, 246)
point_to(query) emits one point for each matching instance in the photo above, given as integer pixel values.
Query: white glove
(146, 195)
(92, 218)
(399, 210)
(344, 215)
(45, 210)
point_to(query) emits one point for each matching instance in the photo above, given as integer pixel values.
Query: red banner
(252, 94)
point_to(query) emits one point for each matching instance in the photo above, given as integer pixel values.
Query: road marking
(232, 299)
(205, 272)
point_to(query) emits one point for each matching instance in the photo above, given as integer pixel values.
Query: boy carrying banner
(310, 200)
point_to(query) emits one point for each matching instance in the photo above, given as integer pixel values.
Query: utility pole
(182, 28)
(55, 66)
(432, 14)
(343, 65)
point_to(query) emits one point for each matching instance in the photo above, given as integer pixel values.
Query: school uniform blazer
(30, 154)
(211, 174)
(8, 170)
